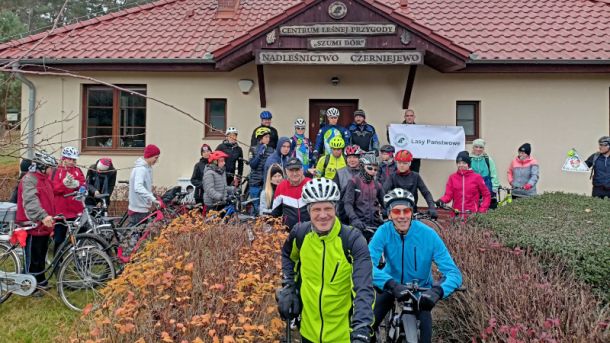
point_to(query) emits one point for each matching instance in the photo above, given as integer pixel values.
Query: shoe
(37, 294)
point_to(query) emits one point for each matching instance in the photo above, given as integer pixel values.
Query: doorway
(317, 113)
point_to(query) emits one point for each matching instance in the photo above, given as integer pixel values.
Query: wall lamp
(245, 85)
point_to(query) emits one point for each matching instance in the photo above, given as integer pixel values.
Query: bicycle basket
(170, 194)
(8, 211)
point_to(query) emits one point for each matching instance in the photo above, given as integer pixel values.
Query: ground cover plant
(198, 282)
(572, 228)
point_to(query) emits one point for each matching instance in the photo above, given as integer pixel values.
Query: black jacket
(235, 159)
(258, 157)
(412, 182)
(363, 202)
(197, 179)
(272, 142)
(101, 181)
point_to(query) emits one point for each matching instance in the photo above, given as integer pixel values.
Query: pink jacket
(464, 189)
(69, 207)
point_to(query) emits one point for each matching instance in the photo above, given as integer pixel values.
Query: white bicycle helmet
(70, 152)
(231, 130)
(320, 190)
(368, 160)
(333, 112)
(45, 160)
(398, 195)
(300, 123)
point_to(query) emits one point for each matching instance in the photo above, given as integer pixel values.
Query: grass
(36, 320)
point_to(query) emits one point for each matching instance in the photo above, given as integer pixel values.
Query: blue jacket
(277, 157)
(364, 136)
(410, 257)
(326, 133)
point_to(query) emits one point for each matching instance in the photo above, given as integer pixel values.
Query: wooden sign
(336, 43)
(339, 57)
(337, 29)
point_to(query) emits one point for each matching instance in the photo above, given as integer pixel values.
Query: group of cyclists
(347, 201)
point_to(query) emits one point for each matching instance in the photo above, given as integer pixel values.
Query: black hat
(360, 112)
(294, 163)
(25, 164)
(526, 148)
(463, 156)
(275, 169)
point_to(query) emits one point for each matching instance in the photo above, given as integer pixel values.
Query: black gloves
(399, 291)
(440, 203)
(288, 302)
(361, 335)
(432, 213)
(430, 297)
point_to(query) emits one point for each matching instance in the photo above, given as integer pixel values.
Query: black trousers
(35, 256)
(600, 192)
(383, 304)
(136, 217)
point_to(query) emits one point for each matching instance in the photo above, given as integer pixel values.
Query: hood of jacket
(281, 142)
(141, 162)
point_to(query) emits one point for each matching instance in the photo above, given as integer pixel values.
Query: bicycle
(82, 269)
(459, 218)
(401, 324)
(508, 198)
(428, 220)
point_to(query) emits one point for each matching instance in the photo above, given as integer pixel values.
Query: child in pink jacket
(465, 188)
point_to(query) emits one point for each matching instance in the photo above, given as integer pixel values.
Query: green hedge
(572, 227)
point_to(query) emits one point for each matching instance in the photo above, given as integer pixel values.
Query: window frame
(116, 108)
(208, 132)
(477, 117)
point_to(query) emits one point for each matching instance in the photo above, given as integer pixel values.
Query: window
(467, 116)
(114, 119)
(216, 116)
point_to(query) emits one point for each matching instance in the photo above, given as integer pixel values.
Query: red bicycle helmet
(352, 150)
(403, 156)
(216, 155)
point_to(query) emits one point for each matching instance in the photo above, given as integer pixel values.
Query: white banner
(574, 163)
(428, 141)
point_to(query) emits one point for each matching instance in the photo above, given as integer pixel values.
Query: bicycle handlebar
(455, 210)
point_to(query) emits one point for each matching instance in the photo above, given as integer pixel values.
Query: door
(317, 113)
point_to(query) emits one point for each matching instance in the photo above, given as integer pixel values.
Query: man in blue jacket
(363, 134)
(328, 132)
(409, 248)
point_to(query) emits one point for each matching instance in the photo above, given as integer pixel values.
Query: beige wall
(552, 112)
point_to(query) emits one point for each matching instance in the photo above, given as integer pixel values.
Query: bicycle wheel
(82, 274)
(9, 263)
(89, 239)
(433, 224)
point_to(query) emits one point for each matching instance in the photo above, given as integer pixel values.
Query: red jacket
(288, 203)
(464, 189)
(35, 202)
(69, 207)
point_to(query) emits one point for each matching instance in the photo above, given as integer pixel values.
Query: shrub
(571, 227)
(198, 282)
(510, 298)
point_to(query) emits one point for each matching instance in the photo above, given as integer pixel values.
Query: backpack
(595, 157)
(347, 234)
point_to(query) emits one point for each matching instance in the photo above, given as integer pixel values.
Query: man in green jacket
(483, 165)
(327, 273)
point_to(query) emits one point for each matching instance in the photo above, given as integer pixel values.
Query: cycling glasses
(404, 211)
(371, 168)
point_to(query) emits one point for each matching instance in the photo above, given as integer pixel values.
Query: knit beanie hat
(104, 164)
(275, 169)
(360, 112)
(151, 150)
(205, 148)
(463, 156)
(479, 142)
(526, 148)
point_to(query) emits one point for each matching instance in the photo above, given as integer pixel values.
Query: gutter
(208, 58)
(31, 109)
(475, 60)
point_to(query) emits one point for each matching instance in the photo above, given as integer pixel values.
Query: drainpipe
(31, 110)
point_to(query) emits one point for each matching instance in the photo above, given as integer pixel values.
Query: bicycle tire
(9, 263)
(410, 327)
(433, 224)
(80, 264)
(95, 240)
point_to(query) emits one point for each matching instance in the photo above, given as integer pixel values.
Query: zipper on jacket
(402, 260)
(322, 289)
(463, 193)
(415, 257)
(334, 273)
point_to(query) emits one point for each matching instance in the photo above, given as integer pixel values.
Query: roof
(190, 29)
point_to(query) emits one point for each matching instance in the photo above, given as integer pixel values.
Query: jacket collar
(334, 231)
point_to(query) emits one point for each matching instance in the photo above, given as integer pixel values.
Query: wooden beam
(409, 87)
(261, 85)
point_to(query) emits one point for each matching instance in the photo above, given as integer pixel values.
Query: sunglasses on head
(404, 211)
(371, 168)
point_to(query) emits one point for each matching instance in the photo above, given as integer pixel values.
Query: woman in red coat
(66, 179)
(465, 188)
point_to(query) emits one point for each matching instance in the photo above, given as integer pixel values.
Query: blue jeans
(255, 192)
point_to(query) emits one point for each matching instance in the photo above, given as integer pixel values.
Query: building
(508, 71)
